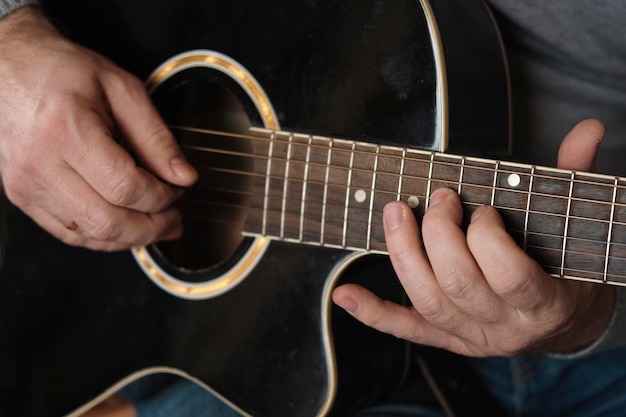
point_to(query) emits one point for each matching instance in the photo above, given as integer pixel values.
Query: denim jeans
(526, 386)
(542, 386)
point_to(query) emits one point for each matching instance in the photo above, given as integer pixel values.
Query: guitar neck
(331, 192)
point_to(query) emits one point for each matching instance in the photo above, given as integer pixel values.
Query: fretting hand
(479, 294)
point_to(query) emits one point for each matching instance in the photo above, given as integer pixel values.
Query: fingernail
(393, 215)
(181, 167)
(348, 304)
(477, 213)
(438, 196)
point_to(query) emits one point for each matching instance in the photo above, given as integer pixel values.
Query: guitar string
(467, 203)
(599, 257)
(488, 188)
(565, 180)
(352, 151)
(597, 260)
(610, 184)
(378, 214)
(569, 267)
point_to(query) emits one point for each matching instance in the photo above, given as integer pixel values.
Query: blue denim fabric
(542, 386)
(163, 395)
(527, 386)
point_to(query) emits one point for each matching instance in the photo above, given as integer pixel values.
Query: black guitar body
(76, 324)
(69, 336)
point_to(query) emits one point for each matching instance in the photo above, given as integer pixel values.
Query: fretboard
(331, 192)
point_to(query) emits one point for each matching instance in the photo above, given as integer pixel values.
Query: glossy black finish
(74, 322)
(357, 69)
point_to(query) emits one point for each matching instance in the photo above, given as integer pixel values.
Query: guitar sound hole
(214, 209)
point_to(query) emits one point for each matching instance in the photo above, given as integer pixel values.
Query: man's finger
(580, 146)
(145, 130)
(93, 154)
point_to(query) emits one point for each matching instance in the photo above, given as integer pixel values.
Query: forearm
(8, 6)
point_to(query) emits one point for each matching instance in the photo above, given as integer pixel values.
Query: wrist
(590, 323)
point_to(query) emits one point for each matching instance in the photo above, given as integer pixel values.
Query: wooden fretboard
(331, 192)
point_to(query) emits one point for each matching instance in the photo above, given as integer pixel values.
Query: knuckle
(513, 283)
(456, 284)
(73, 239)
(402, 260)
(120, 80)
(121, 190)
(102, 228)
(15, 192)
(158, 135)
(433, 310)
(53, 118)
(432, 225)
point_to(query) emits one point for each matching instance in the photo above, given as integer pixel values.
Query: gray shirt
(568, 63)
(7, 6)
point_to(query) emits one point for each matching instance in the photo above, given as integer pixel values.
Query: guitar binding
(196, 91)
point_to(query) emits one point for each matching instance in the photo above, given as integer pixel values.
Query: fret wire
(495, 183)
(371, 210)
(592, 280)
(430, 179)
(268, 176)
(545, 265)
(285, 186)
(325, 197)
(401, 177)
(582, 271)
(345, 214)
(569, 251)
(501, 171)
(610, 232)
(461, 176)
(257, 138)
(510, 208)
(523, 210)
(536, 194)
(615, 280)
(304, 185)
(514, 209)
(530, 193)
(570, 207)
(567, 216)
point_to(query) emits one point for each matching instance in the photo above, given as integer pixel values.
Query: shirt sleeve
(8, 6)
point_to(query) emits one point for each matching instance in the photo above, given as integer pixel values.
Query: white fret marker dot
(413, 201)
(514, 180)
(360, 196)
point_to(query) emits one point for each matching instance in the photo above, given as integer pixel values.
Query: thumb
(145, 131)
(580, 146)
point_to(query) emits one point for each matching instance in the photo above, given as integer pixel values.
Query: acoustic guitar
(303, 118)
